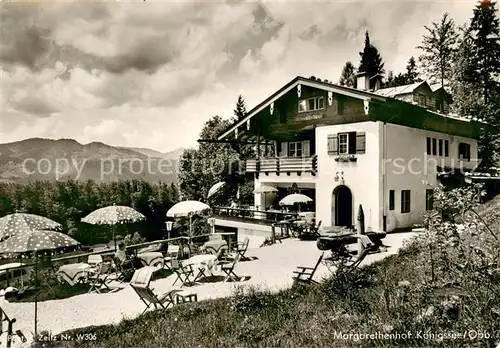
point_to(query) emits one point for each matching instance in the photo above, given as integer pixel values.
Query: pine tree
(390, 79)
(241, 109)
(348, 76)
(371, 61)
(438, 48)
(486, 43)
(476, 85)
(411, 71)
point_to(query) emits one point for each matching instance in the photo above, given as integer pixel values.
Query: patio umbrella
(112, 215)
(188, 209)
(295, 198)
(215, 188)
(35, 242)
(23, 223)
(265, 189)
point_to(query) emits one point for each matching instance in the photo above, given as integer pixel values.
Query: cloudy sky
(149, 74)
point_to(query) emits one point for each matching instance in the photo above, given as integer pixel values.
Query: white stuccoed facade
(395, 159)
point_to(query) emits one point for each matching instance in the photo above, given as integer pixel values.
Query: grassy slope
(370, 301)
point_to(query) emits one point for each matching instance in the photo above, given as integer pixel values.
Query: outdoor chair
(94, 260)
(315, 229)
(100, 278)
(367, 245)
(172, 254)
(183, 272)
(121, 273)
(228, 269)
(241, 249)
(140, 283)
(304, 275)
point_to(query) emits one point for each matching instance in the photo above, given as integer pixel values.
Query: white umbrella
(265, 189)
(33, 242)
(295, 198)
(19, 223)
(188, 209)
(112, 215)
(215, 188)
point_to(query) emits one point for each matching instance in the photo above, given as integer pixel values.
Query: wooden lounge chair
(183, 272)
(228, 269)
(140, 283)
(304, 275)
(100, 278)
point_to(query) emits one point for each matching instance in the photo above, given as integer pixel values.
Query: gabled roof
(299, 80)
(435, 86)
(405, 89)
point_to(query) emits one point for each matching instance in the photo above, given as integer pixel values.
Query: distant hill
(174, 155)
(63, 159)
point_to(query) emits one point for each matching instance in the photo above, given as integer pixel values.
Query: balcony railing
(282, 165)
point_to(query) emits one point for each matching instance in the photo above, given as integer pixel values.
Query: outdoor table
(74, 273)
(204, 263)
(150, 258)
(216, 244)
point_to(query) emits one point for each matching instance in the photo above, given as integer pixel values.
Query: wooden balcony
(282, 165)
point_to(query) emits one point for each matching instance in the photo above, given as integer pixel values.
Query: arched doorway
(342, 206)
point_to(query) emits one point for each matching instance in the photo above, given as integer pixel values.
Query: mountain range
(46, 159)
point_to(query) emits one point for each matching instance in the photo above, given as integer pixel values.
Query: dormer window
(311, 104)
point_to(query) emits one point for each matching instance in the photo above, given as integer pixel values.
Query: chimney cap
(361, 73)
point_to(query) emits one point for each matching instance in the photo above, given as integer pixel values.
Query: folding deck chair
(140, 283)
(304, 275)
(228, 269)
(241, 249)
(100, 278)
(183, 272)
(315, 229)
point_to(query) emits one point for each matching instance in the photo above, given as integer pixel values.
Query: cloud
(150, 74)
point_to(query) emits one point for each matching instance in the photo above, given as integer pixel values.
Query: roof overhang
(350, 92)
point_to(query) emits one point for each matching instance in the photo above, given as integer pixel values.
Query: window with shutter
(332, 145)
(284, 150)
(352, 143)
(360, 142)
(305, 148)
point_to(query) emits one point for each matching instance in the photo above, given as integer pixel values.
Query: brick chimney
(363, 82)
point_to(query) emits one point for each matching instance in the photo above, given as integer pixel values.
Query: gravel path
(272, 269)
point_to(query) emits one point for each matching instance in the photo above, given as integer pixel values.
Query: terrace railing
(83, 257)
(282, 165)
(252, 215)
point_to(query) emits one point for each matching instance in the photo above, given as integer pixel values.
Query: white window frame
(305, 104)
(343, 142)
(293, 148)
